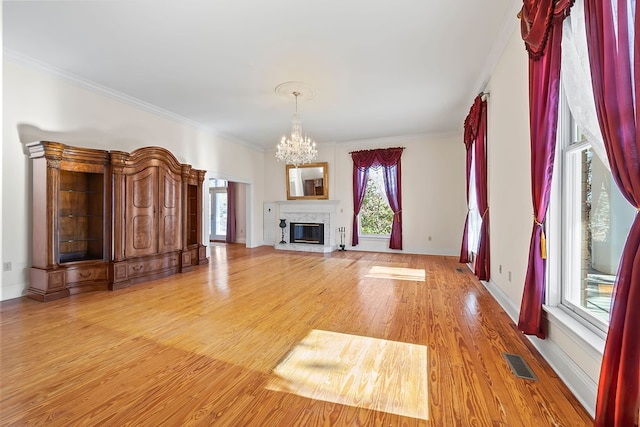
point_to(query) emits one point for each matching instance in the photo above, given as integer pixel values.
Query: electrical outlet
(6, 266)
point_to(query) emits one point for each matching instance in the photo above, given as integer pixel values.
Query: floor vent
(459, 270)
(519, 366)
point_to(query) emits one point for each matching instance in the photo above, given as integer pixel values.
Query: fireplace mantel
(312, 211)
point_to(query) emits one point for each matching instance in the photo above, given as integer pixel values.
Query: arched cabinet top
(145, 157)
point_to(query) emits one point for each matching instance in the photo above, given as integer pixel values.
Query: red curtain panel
(541, 25)
(231, 212)
(482, 270)
(475, 141)
(469, 137)
(611, 37)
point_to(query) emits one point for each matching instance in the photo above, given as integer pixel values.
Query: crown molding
(92, 86)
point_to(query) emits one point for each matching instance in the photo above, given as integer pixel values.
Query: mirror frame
(325, 181)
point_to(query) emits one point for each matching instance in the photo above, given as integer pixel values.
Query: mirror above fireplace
(308, 182)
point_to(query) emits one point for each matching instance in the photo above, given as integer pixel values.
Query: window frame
(562, 228)
(381, 236)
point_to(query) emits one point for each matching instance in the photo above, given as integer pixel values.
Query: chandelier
(298, 149)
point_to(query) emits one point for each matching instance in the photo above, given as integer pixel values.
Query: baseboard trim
(580, 384)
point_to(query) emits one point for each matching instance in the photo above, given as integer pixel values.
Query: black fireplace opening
(306, 232)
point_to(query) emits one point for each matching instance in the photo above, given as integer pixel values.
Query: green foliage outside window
(375, 215)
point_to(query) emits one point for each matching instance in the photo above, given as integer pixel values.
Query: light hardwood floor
(261, 337)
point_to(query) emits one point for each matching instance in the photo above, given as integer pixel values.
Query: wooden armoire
(71, 232)
(107, 220)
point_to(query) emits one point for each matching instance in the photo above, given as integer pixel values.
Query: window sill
(374, 237)
(571, 326)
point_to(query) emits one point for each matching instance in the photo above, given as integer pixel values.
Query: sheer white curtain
(576, 79)
(475, 220)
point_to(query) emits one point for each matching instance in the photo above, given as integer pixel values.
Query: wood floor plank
(206, 347)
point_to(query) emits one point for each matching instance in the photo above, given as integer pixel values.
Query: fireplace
(306, 232)
(320, 214)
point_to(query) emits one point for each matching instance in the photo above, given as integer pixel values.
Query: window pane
(601, 219)
(375, 215)
(221, 213)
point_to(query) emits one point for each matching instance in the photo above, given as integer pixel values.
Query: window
(596, 220)
(475, 220)
(375, 215)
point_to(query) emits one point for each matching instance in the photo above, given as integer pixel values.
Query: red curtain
(482, 270)
(475, 141)
(615, 78)
(360, 177)
(389, 159)
(392, 188)
(469, 137)
(231, 212)
(541, 25)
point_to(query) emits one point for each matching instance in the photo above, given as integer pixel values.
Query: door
(140, 213)
(218, 211)
(169, 198)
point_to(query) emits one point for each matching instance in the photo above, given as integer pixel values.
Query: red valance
(364, 159)
(472, 122)
(536, 18)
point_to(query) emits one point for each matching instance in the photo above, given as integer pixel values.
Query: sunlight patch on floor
(358, 371)
(397, 273)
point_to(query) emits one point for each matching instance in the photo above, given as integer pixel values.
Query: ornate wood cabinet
(107, 220)
(148, 234)
(194, 252)
(71, 220)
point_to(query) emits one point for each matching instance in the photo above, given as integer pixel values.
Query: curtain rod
(350, 152)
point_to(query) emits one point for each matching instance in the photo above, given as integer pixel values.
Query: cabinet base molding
(64, 280)
(202, 255)
(142, 269)
(47, 284)
(187, 261)
(192, 256)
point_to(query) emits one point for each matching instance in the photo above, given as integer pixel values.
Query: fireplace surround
(309, 212)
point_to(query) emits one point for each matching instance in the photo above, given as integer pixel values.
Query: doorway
(218, 210)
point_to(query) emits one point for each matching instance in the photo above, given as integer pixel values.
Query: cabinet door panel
(140, 213)
(142, 232)
(169, 231)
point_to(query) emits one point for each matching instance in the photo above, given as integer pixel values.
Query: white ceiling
(377, 68)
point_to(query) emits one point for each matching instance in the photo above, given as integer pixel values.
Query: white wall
(40, 106)
(1, 174)
(509, 180)
(433, 190)
(566, 349)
